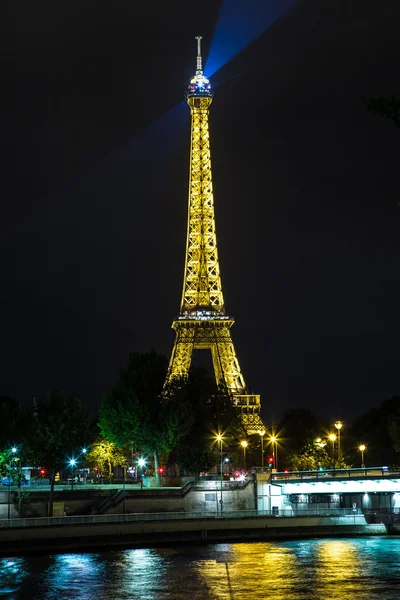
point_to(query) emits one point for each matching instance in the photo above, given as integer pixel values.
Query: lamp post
(332, 438)
(9, 470)
(220, 440)
(244, 446)
(141, 463)
(261, 434)
(362, 448)
(226, 461)
(84, 452)
(339, 426)
(72, 464)
(273, 440)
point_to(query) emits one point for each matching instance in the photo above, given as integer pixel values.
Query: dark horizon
(305, 186)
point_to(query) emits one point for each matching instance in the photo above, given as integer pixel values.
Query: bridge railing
(339, 473)
(179, 516)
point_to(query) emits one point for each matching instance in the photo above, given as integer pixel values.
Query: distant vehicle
(6, 481)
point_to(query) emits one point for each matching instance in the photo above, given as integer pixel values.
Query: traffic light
(161, 470)
(270, 459)
(42, 471)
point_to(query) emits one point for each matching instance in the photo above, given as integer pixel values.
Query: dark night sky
(93, 223)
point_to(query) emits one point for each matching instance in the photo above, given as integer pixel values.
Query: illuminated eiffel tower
(203, 322)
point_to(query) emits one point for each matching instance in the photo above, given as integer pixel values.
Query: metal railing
(180, 516)
(293, 476)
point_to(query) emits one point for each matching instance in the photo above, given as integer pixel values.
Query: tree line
(177, 422)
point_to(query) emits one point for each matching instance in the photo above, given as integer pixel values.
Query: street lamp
(362, 448)
(141, 463)
(226, 461)
(9, 470)
(85, 471)
(274, 440)
(72, 464)
(244, 445)
(339, 426)
(332, 438)
(220, 440)
(261, 434)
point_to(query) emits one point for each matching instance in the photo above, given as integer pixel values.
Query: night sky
(306, 181)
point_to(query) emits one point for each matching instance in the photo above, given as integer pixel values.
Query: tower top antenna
(199, 66)
(199, 85)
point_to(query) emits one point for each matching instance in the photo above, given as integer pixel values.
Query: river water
(328, 569)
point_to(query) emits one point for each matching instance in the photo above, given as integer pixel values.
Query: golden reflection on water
(338, 568)
(237, 576)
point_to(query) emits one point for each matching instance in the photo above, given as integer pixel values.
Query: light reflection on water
(349, 569)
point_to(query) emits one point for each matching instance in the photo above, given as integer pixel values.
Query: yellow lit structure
(202, 323)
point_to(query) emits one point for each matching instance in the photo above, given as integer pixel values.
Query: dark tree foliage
(213, 412)
(14, 423)
(15, 431)
(379, 430)
(140, 411)
(298, 427)
(61, 426)
(310, 458)
(387, 107)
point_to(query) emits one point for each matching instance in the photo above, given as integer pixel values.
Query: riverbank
(90, 536)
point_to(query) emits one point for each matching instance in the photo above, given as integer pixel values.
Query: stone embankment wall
(150, 500)
(86, 536)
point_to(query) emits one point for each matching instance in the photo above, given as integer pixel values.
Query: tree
(379, 429)
(105, 455)
(141, 411)
(15, 423)
(61, 428)
(212, 412)
(387, 107)
(310, 458)
(298, 427)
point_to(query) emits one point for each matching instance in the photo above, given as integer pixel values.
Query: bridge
(372, 490)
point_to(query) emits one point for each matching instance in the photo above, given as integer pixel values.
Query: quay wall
(80, 537)
(81, 501)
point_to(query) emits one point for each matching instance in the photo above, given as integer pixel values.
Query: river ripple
(328, 569)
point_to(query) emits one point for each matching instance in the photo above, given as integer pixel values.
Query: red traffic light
(96, 468)
(42, 471)
(270, 459)
(161, 470)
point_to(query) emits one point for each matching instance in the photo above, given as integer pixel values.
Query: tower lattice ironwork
(202, 322)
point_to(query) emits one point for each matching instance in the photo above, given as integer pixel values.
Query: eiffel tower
(202, 323)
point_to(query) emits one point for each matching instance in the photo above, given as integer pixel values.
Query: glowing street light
(14, 450)
(339, 426)
(244, 445)
(220, 439)
(274, 441)
(261, 434)
(362, 448)
(72, 464)
(141, 463)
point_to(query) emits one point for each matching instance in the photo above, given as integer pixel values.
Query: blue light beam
(239, 24)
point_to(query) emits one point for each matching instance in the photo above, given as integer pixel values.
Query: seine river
(362, 569)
